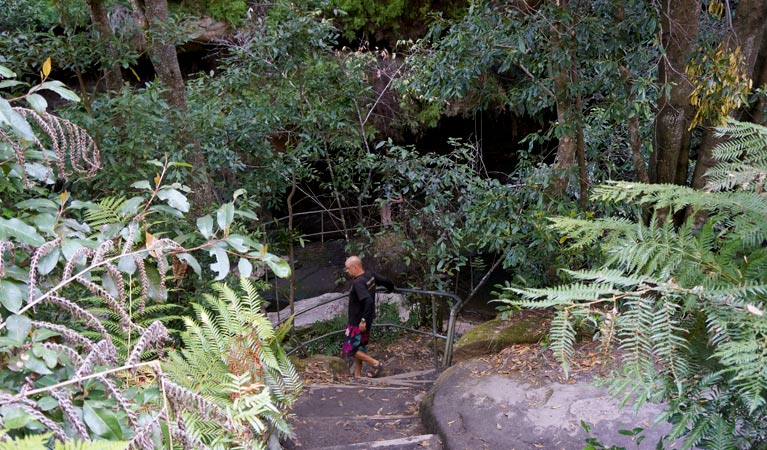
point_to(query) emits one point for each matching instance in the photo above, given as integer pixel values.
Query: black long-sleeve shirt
(362, 297)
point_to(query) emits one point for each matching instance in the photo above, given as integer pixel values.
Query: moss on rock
(322, 363)
(497, 334)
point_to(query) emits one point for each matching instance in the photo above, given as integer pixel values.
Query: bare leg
(359, 357)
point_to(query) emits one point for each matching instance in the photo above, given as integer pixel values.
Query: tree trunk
(679, 26)
(165, 62)
(634, 139)
(100, 19)
(567, 147)
(749, 33)
(758, 112)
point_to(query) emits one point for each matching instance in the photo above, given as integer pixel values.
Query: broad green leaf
(6, 72)
(10, 83)
(245, 267)
(130, 207)
(48, 262)
(174, 198)
(38, 204)
(225, 216)
(222, 263)
(110, 284)
(127, 265)
(205, 225)
(17, 123)
(69, 247)
(47, 403)
(279, 266)
(168, 210)
(101, 421)
(79, 204)
(192, 261)
(59, 88)
(157, 291)
(14, 418)
(21, 231)
(50, 357)
(43, 334)
(143, 184)
(246, 214)
(40, 172)
(237, 242)
(37, 102)
(36, 364)
(18, 328)
(11, 296)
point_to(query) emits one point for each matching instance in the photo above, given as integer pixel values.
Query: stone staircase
(380, 413)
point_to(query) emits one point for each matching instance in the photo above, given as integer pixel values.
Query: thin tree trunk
(583, 181)
(679, 25)
(568, 146)
(84, 92)
(100, 18)
(635, 141)
(292, 291)
(758, 111)
(165, 62)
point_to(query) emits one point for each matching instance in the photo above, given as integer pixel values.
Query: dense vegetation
(133, 178)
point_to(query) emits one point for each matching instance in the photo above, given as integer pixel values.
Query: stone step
(357, 401)
(420, 442)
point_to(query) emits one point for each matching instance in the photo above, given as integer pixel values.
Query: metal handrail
(456, 304)
(375, 325)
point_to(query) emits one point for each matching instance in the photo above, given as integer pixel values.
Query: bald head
(353, 266)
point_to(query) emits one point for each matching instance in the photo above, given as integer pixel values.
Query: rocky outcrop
(495, 335)
(471, 407)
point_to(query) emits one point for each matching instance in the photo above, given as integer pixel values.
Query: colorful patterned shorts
(355, 340)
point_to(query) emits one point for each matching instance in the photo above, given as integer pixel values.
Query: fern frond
(562, 335)
(229, 348)
(106, 212)
(561, 295)
(611, 277)
(583, 233)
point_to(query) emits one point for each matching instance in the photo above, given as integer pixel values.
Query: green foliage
(361, 14)
(27, 14)
(389, 19)
(79, 340)
(44, 442)
(450, 209)
(505, 55)
(686, 304)
(232, 356)
(232, 12)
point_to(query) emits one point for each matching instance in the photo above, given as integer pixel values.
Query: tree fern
(106, 212)
(687, 304)
(232, 356)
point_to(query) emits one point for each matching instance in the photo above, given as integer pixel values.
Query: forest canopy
(611, 169)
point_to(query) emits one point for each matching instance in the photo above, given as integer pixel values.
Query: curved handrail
(393, 325)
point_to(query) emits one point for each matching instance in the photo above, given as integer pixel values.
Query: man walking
(361, 315)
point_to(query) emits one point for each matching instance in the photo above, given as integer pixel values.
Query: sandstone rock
(497, 334)
(324, 363)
